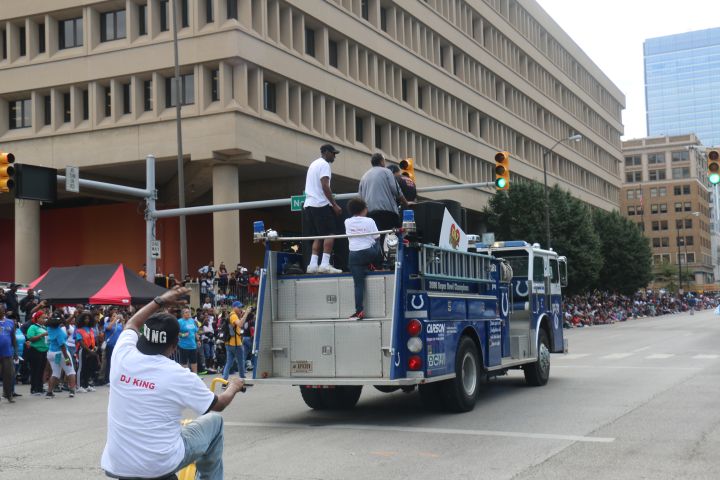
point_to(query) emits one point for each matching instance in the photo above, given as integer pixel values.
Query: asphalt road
(632, 400)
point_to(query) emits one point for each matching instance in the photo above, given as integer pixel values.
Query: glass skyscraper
(682, 85)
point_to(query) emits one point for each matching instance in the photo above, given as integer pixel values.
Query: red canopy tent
(95, 284)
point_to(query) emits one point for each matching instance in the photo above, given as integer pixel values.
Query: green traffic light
(501, 182)
(714, 178)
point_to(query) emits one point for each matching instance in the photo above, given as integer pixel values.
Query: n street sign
(296, 203)
(72, 179)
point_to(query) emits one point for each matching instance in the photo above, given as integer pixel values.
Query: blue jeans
(235, 353)
(359, 261)
(203, 439)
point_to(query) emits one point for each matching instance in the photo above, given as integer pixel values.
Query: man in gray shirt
(382, 194)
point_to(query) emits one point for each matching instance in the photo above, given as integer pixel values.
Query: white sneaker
(90, 389)
(312, 269)
(328, 269)
(80, 390)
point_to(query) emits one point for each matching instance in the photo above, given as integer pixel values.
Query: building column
(27, 240)
(226, 225)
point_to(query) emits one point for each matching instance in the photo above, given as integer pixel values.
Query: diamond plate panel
(286, 300)
(357, 349)
(317, 299)
(312, 345)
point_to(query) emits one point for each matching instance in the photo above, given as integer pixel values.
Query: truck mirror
(562, 261)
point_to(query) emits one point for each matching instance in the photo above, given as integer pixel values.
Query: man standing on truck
(148, 393)
(382, 194)
(321, 209)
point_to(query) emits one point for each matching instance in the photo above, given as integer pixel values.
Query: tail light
(414, 362)
(414, 327)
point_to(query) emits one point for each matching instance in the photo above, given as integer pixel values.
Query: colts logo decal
(454, 236)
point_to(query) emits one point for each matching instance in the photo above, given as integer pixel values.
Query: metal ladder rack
(440, 263)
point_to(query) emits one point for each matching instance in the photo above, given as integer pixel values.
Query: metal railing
(440, 263)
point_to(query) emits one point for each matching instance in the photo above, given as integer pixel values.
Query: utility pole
(180, 160)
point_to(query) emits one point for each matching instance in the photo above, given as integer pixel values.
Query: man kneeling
(148, 393)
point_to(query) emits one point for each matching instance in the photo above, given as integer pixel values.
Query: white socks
(313, 260)
(325, 259)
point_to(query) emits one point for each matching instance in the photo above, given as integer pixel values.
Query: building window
(665, 242)
(209, 14)
(164, 15)
(142, 19)
(359, 130)
(654, 208)
(383, 19)
(404, 84)
(686, 189)
(680, 156)
(107, 101)
(365, 9)
(184, 14)
(419, 97)
(690, 258)
(310, 41)
(269, 99)
(680, 172)
(631, 210)
(147, 95)
(689, 241)
(654, 175)
(678, 207)
(632, 160)
(653, 192)
(663, 208)
(333, 53)
(41, 38)
(126, 98)
(232, 9)
(47, 110)
(85, 105)
(688, 206)
(656, 158)
(23, 42)
(187, 90)
(630, 194)
(655, 226)
(112, 26)
(20, 114)
(215, 85)
(656, 242)
(70, 33)
(3, 43)
(632, 177)
(641, 226)
(67, 110)
(663, 225)
(378, 137)
(662, 191)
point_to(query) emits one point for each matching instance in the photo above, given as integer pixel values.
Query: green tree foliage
(519, 214)
(626, 253)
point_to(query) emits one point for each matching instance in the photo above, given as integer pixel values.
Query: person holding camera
(233, 332)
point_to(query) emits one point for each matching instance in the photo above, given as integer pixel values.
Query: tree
(626, 253)
(519, 214)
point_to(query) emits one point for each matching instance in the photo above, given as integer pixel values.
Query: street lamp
(572, 138)
(684, 243)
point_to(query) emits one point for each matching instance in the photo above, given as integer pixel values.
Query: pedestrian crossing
(638, 354)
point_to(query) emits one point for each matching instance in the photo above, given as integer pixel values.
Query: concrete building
(682, 85)
(667, 193)
(264, 84)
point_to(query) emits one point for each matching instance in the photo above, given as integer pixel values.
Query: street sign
(488, 238)
(155, 251)
(296, 202)
(72, 179)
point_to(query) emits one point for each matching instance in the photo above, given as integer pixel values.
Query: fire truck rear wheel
(538, 373)
(460, 393)
(341, 397)
(312, 398)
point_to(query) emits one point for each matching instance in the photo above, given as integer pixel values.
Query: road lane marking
(659, 356)
(572, 356)
(704, 356)
(441, 431)
(642, 349)
(628, 367)
(615, 356)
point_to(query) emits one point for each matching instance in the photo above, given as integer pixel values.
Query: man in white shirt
(320, 209)
(148, 393)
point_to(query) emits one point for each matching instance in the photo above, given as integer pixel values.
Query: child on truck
(364, 250)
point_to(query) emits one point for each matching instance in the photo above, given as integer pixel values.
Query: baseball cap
(237, 304)
(328, 148)
(159, 331)
(38, 314)
(393, 168)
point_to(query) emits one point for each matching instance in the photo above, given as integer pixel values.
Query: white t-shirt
(148, 394)
(314, 195)
(358, 224)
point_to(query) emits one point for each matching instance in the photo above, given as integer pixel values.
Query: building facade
(682, 85)
(265, 82)
(666, 192)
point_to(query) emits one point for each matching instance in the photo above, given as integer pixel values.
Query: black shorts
(187, 356)
(320, 220)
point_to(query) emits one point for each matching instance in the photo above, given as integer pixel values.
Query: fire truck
(450, 314)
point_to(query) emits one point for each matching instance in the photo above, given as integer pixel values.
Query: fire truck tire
(341, 397)
(312, 398)
(538, 372)
(386, 388)
(460, 393)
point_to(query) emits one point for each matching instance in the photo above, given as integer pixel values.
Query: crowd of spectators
(600, 308)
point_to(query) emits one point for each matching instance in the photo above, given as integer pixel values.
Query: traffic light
(713, 156)
(407, 167)
(7, 172)
(502, 170)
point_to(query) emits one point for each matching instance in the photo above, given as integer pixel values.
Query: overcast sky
(611, 32)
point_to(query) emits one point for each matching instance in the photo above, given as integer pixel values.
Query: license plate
(301, 366)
